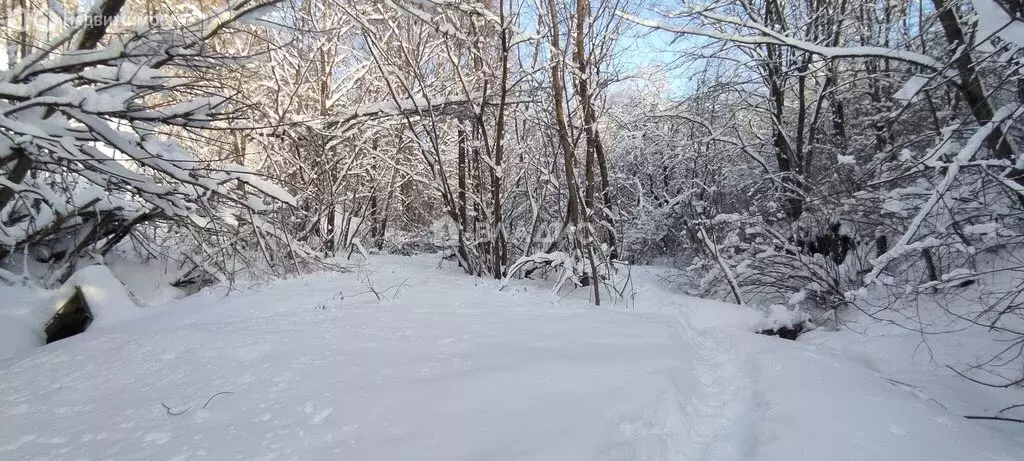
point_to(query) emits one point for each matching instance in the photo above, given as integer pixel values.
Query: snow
(762, 35)
(879, 420)
(894, 206)
(22, 316)
(993, 20)
(986, 228)
(107, 297)
(907, 349)
(148, 284)
(400, 359)
(913, 86)
(249, 177)
(782, 316)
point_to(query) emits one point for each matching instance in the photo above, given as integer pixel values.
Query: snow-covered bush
(89, 155)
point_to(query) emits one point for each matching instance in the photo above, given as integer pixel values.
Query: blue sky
(642, 47)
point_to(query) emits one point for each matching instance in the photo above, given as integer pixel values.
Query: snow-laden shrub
(608, 278)
(745, 260)
(88, 154)
(654, 233)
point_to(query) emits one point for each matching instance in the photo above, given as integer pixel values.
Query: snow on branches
(85, 154)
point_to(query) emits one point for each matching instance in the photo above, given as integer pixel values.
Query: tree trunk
(564, 142)
(973, 91)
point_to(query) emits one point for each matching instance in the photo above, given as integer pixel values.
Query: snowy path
(452, 370)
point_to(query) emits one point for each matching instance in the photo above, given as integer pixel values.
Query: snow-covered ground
(438, 365)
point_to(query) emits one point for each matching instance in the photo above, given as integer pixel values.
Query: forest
(785, 147)
(815, 160)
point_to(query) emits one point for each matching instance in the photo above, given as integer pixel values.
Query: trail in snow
(719, 410)
(449, 369)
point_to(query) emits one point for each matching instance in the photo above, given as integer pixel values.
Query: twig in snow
(1019, 405)
(173, 413)
(214, 395)
(917, 389)
(983, 383)
(996, 418)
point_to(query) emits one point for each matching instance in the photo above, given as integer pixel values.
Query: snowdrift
(446, 367)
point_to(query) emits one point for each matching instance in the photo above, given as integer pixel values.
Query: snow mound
(25, 311)
(108, 298)
(780, 316)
